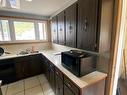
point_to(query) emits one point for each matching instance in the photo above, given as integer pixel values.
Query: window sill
(23, 42)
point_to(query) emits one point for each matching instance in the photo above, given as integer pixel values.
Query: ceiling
(40, 7)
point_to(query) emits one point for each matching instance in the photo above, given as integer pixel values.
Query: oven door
(71, 63)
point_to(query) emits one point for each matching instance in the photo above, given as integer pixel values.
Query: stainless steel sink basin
(23, 53)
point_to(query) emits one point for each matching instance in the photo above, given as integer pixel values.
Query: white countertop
(81, 82)
(9, 56)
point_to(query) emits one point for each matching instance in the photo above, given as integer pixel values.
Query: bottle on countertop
(33, 48)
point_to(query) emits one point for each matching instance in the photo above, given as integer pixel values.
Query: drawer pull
(50, 66)
(68, 85)
(57, 73)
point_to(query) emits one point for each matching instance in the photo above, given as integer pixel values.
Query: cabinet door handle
(68, 85)
(57, 73)
(61, 29)
(95, 46)
(85, 24)
(70, 27)
(50, 66)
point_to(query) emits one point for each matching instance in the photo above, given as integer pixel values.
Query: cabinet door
(70, 88)
(7, 71)
(59, 83)
(26, 69)
(61, 29)
(22, 65)
(36, 66)
(47, 69)
(70, 19)
(52, 77)
(68, 91)
(54, 24)
(87, 24)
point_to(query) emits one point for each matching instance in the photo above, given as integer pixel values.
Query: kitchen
(59, 47)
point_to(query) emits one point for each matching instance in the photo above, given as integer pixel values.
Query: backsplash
(61, 48)
(16, 48)
(103, 59)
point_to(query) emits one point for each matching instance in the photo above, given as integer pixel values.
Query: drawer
(71, 85)
(59, 73)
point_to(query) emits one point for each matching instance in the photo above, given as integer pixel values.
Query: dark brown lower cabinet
(18, 68)
(59, 83)
(50, 73)
(7, 71)
(70, 88)
(52, 78)
(28, 66)
(22, 66)
(68, 91)
(47, 69)
(36, 64)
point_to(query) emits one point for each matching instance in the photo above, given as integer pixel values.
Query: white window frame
(22, 20)
(46, 29)
(2, 30)
(12, 31)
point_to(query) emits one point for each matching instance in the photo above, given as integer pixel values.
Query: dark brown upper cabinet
(71, 22)
(54, 29)
(95, 19)
(61, 28)
(87, 24)
(90, 29)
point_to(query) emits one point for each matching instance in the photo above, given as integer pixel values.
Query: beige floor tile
(20, 93)
(4, 88)
(31, 82)
(46, 88)
(42, 78)
(51, 93)
(37, 85)
(15, 87)
(34, 91)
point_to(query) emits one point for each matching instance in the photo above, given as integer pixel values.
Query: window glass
(15, 30)
(42, 31)
(4, 30)
(24, 30)
(1, 36)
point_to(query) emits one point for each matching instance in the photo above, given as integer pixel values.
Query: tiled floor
(37, 85)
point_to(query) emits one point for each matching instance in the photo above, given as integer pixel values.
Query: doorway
(118, 48)
(122, 80)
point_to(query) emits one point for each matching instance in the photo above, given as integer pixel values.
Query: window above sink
(22, 30)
